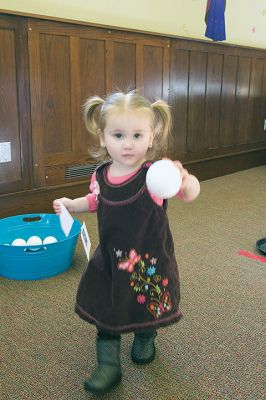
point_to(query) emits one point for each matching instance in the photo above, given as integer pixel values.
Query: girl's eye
(118, 135)
(137, 135)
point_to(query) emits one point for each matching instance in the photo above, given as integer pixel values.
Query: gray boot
(108, 373)
(143, 349)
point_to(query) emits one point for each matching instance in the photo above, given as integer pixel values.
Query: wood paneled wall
(218, 95)
(68, 64)
(48, 69)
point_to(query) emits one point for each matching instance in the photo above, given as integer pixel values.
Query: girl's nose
(127, 144)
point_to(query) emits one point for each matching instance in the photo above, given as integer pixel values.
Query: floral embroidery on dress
(141, 299)
(118, 253)
(129, 263)
(150, 288)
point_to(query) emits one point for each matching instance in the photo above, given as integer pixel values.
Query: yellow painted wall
(245, 19)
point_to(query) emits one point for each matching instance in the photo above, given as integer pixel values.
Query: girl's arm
(88, 203)
(78, 205)
(190, 187)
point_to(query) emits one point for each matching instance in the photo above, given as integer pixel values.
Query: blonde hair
(97, 109)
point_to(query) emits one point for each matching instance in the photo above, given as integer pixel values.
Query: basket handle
(32, 219)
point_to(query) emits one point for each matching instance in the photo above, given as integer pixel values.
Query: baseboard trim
(226, 164)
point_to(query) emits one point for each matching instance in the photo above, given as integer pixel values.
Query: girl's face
(127, 137)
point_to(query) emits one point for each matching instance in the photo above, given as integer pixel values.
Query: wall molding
(121, 28)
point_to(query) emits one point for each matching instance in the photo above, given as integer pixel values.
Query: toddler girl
(131, 283)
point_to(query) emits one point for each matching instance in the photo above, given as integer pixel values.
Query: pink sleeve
(180, 195)
(93, 197)
(93, 180)
(157, 200)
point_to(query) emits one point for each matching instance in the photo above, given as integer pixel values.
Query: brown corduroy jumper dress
(131, 282)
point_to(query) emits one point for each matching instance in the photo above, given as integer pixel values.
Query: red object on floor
(251, 255)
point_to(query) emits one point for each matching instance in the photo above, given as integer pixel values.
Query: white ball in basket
(34, 241)
(163, 179)
(49, 240)
(19, 242)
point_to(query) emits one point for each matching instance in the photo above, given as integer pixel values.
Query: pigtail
(93, 124)
(162, 127)
(90, 112)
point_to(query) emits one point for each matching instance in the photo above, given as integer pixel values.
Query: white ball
(49, 240)
(163, 179)
(34, 241)
(19, 242)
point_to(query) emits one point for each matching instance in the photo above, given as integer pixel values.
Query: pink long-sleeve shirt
(116, 180)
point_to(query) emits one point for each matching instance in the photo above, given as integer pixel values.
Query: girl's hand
(183, 172)
(68, 203)
(190, 185)
(191, 188)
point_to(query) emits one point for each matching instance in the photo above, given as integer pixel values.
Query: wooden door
(15, 128)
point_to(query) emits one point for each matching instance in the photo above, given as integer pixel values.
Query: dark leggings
(102, 334)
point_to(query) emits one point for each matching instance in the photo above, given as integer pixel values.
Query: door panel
(14, 105)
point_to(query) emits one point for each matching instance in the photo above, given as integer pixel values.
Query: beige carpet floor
(215, 352)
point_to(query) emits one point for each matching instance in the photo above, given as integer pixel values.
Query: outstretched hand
(65, 201)
(183, 172)
(190, 184)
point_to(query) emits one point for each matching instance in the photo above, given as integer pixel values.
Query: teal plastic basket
(30, 262)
